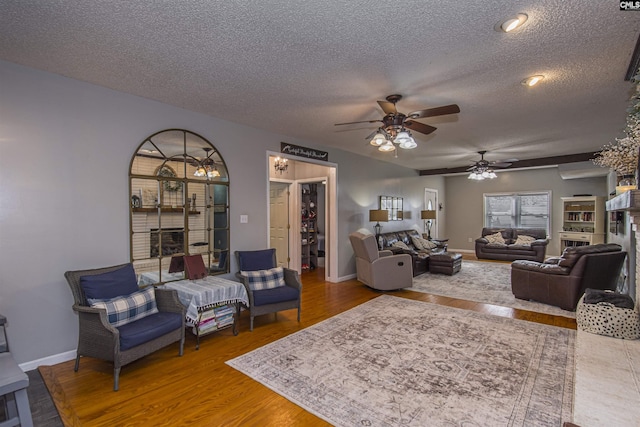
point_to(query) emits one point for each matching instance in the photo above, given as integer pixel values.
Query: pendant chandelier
(207, 166)
(280, 164)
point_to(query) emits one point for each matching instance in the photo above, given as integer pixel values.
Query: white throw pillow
(428, 245)
(401, 245)
(524, 240)
(417, 242)
(495, 238)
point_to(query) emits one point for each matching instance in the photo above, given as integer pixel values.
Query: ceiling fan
(483, 169)
(395, 125)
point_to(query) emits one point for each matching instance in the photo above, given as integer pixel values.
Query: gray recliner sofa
(380, 269)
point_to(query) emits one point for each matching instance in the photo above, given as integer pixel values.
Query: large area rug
(394, 361)
(487, 282)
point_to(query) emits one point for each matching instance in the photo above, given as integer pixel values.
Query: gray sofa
(509, 251)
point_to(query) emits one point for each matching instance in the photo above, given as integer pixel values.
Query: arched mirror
(179, 192)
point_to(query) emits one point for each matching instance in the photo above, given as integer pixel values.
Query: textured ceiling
(296, 68)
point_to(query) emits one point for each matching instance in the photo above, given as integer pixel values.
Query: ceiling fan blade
(419, 127)
(388, 107)
(500, 164)
(432, 112)
(353, 123)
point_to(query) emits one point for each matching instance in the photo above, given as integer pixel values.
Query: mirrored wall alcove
(179, 205)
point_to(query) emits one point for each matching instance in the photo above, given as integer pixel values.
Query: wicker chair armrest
(292, 279)
(167, 300)
(245, 283)
(95, 318)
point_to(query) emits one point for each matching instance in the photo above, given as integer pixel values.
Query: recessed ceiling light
(532, 81)
(511, 23)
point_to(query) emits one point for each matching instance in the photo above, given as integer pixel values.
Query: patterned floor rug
(393, 361)
(488, 282)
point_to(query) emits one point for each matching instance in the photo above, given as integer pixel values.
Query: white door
(431, 204)
(279, 221)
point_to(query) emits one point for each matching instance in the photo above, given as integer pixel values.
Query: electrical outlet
(470, 240)
(244, 219)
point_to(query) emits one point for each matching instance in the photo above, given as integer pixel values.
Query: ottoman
(445, 262)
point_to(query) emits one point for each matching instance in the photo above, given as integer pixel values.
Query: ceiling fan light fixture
(533, 80)
(404, 140)
(379, 139)
(387, 147)
(408, 144)
(513, 23)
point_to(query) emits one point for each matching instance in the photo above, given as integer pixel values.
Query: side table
(208, 303)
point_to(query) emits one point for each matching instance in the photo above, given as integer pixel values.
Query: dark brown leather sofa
(562, 280)
(419, 258)
(509, 251)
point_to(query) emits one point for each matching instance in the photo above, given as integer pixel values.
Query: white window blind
(518, 210)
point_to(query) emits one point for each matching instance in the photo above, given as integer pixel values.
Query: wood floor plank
(198, 388)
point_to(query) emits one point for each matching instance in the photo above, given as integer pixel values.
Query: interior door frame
(436, 207)
(331, 213)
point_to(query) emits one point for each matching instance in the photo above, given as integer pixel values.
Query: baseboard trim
(49, 360)
(347, 277)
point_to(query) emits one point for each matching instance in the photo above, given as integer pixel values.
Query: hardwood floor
(200, 389)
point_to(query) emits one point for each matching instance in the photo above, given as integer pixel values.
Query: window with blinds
(518, 210)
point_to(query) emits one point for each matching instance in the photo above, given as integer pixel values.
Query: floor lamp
(429, 215)
(378, 215)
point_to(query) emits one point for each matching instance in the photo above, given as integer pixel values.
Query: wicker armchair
(99, 339)
(269, 300)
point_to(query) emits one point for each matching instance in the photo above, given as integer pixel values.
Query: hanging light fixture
(207, 166)
(481, 173)
(388, 146)
(405, 140)
(280, 164)
(379, 139)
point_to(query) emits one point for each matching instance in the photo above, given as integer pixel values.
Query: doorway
(279, 221)
(302, 172)
(431, 204)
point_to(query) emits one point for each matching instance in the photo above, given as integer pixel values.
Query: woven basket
(607, 319)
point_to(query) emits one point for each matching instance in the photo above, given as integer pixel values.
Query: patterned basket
(606, 319)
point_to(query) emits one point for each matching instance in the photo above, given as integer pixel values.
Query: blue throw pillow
(123, 310)
(110, 285)
(256, 260)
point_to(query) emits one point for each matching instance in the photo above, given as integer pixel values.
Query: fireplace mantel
(627, 201)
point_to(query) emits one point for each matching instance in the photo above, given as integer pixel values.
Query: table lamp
(378, 215)
(429, 215)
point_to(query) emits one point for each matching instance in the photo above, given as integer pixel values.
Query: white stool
(13, 386)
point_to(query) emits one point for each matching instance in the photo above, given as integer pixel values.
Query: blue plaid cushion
(264, 279)
(123, 310)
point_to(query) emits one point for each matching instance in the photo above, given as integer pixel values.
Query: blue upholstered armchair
(270, 288)
(119, 322)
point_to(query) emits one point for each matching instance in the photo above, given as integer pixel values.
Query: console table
(206, 299)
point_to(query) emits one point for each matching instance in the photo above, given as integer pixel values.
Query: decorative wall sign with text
(309, 153)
